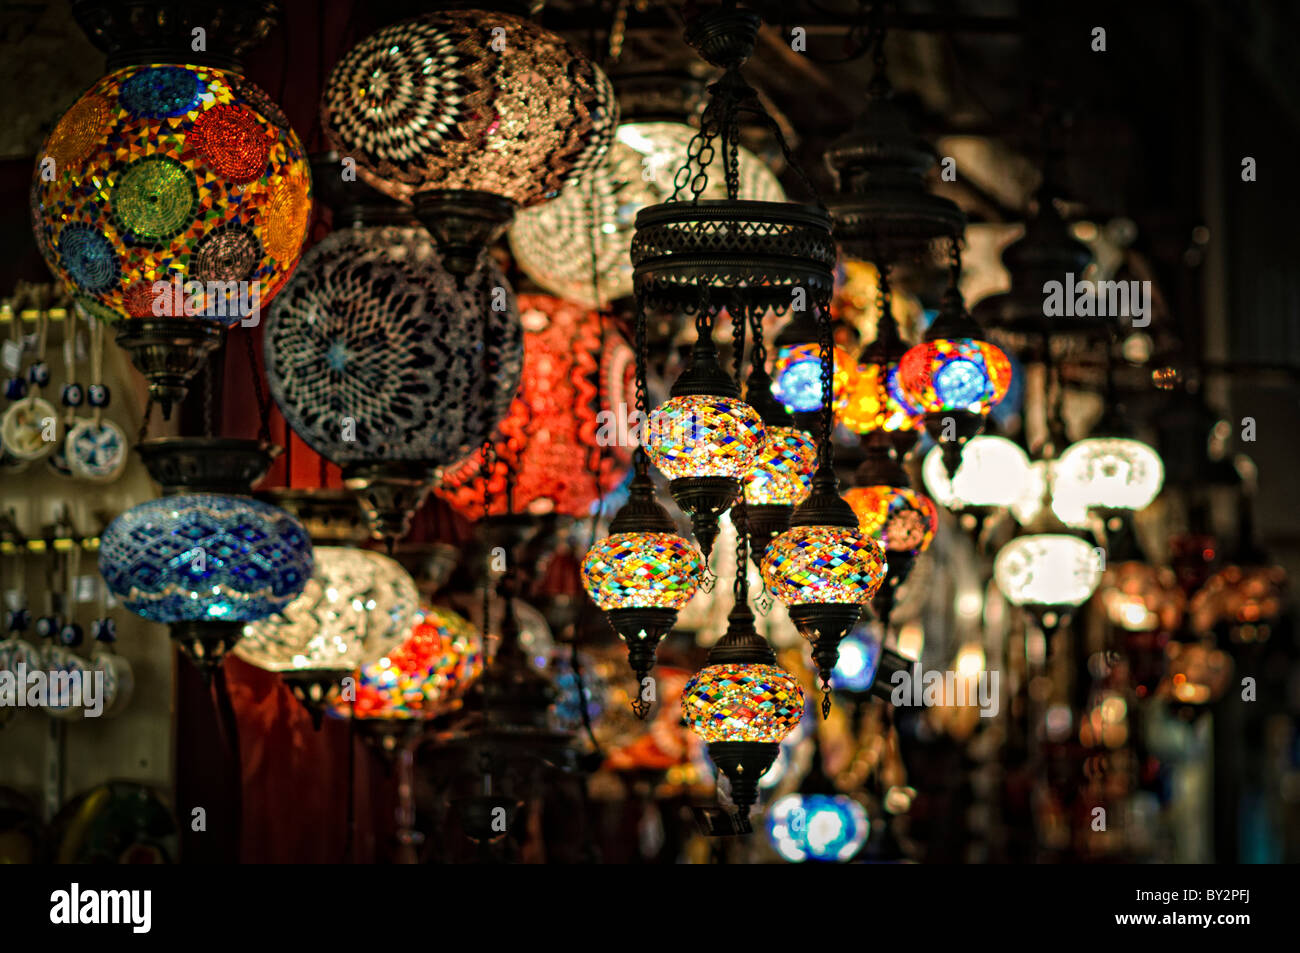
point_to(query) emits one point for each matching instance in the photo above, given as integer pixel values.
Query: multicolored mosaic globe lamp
(468, 115)
(954, 375)
(743, 705)
(172, 199)
(206, 564)
(593, 220)
(902, 520)
(389, 366)
(357, 606)
(644, 571)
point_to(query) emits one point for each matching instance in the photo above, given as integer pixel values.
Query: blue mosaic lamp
(206, 564)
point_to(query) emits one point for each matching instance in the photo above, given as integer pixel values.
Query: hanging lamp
(700, 256)
(954, 375)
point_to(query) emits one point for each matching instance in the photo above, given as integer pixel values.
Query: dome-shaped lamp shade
(957, 374)
(469, 99)
(1110, 473)
(553, 441)
(425, 675)
(704, 435)
(642, 571)
(205, 557)
(742, 702)
(1049, 569)
(875, 401)
(554, 243)
(819, 827)
(172, 172)
(356, 606)
(373, 351)
(823, 564)
(782, 471)
(993, 472)
(899, 518)
(797, 377)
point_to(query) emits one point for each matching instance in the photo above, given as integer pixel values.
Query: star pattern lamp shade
(469, 100)
(554, 242)
(356, 606)
(162, 172)
(555, 437)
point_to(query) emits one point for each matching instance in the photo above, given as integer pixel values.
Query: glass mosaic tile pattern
(642, 570)
(823, 564)
(742, 703)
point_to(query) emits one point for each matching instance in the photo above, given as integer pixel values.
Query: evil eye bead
(39, 373)
(15, 388)
(18, 620)
(72, 395)
(98, 395)
(48, 626)
(71, 635)
(104, 630)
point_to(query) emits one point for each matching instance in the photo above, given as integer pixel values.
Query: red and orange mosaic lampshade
(953, 374)
(171, 172)
(899, 518)
(575, 381)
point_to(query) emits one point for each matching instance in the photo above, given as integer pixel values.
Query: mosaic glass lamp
(559, 453)
(554, 243)
(641, 575)
(704, 438)
(743, 705)
(164, 175)
(468, 114)
(953, 375)
(830, 828)
(424, 676)
(356, 606)
(1140, 597)
(386, 365)
(796, 378)
(206, 564)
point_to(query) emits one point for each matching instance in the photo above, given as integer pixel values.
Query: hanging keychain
(71, 397)
(97, 446)
(119, 678)
(28, 426)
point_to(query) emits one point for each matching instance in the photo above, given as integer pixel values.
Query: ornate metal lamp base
(168, 352)
(825, 625)
(207, 643)
(315, 690)
(744, 762)
(462, 223)
(641, 630)
(389, 494)
(206, 464)
(705, 499)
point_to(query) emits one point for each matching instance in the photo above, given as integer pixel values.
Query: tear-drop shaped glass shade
(993, 472)
(1048, 569)
(425, 674)
(1111, 472)
(820, 827)
(782, 472)
(899, 518)
(375, 352)
(797, 377)
(469, 99)
(704, 436)
(749, 702)
(356, 606)
(955, 374)
(205, 556)
(642, 571)
(163, 172)
(823, 564)
(553, 242)
(875, 401)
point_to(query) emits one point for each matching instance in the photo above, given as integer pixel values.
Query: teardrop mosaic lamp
(206, 564)
(953, 375)
(554, 243)
(468, 115)
(163, 175)
(388, 366)
(356, 606)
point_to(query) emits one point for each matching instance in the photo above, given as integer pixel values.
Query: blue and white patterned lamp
(205, 563)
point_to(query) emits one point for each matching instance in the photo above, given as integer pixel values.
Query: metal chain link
(640, 458)
(739, 316)
(828, 378)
